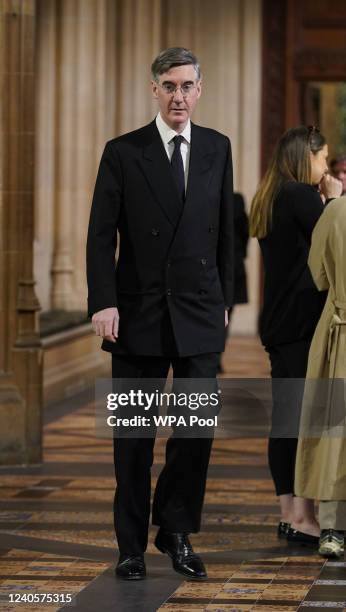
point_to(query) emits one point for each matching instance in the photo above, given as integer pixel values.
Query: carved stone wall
(20, 351)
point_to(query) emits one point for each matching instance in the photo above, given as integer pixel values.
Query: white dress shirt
(167, 134)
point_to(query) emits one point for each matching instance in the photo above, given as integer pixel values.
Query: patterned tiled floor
(31, 572)
(56, 531)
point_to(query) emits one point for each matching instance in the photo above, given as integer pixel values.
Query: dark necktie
(178, 166)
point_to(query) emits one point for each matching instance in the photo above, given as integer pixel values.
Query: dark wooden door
(303, 41)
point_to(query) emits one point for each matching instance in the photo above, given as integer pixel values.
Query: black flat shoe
(283, 530)
(302, 539)
(184, 560)
(131, 567)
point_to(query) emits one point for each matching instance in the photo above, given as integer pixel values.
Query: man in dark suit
(166, 190)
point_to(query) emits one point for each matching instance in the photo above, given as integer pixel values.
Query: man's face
(339, 171)
(175, 106)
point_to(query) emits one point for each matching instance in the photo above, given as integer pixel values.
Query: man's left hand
(226, 318)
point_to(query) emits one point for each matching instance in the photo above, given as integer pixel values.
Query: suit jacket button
(169, 263)
(169, 292)
(211, 229)
(155, 232)
(203, 261)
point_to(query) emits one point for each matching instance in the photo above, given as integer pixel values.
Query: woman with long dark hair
(285, 209)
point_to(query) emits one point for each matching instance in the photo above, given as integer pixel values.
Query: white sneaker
(331, 543)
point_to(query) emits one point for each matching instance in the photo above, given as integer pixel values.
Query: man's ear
(154, 87)
(199, 88)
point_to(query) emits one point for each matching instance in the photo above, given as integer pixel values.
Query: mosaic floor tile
(240, 497)
(227, 607)
(331, 582)
(28, 608)
(324, 604)
(243, 574)
(241, 519)
(16, 584)
(81, 537)
(193, 590)
(273, 608)
(182, 608)
(225, 571)
(240, 591)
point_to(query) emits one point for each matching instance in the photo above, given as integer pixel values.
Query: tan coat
(321, 454)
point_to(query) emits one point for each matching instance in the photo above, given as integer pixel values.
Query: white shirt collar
(167, 133)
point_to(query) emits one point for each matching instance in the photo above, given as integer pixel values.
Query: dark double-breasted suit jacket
(175, 263)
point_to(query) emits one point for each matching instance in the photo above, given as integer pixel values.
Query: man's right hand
(106, 323)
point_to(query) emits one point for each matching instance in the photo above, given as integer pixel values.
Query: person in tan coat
(321, 454)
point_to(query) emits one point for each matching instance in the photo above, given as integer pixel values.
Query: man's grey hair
(175, 56)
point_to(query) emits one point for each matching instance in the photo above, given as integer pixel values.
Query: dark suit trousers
(287, 361)
(179, 492)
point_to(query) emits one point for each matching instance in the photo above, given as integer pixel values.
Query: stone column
(247, 158)
(77, 89)
(62, 295)
(92, 81)
(139, 41)
(20, 353)
(45, 146)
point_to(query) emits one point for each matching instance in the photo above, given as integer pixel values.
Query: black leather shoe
(283, 530)
(131, 567)
(302, 539)
(184, 560)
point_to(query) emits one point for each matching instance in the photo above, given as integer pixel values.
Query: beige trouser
(332, 515)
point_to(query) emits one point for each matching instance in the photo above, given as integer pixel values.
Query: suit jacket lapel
(156, 166)
(202, 156)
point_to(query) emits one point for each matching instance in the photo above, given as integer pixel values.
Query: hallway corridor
(56, 532)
